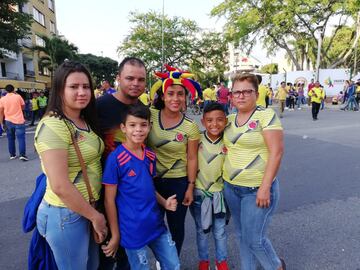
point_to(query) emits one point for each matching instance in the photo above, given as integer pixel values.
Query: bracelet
(191, 182)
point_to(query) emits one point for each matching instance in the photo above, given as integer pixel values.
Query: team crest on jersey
(179, 137)
(79, 137)
(224, 150)
(252, 125)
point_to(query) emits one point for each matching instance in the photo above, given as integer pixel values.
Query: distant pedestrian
(317, 95)
(34, 108)
(42, 101)
(223, 97)
(281, 95)
(11, 109)
(107, 88)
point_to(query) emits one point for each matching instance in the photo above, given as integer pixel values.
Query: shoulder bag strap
(82, 164)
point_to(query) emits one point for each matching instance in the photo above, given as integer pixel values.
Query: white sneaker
(299, 108)
(157, 265)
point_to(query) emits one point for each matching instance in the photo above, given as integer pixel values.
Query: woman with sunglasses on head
(254, 142)
(64, 216)
(174, 137)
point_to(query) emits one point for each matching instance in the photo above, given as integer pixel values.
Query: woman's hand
(111, 247)
(171, 203)
(263, 197)
(188, 198)
(99, 225)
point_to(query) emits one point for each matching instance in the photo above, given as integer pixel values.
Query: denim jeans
(301, 100)
(68, 235)
(164, 251)
(176, 220)
(202, 239)
(251, 223)
(17, 130)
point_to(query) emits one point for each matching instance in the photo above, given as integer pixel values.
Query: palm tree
(56, 50)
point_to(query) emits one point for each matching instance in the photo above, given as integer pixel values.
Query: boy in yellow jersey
(208, 208)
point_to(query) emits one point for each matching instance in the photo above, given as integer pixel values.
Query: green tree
(209, 61)
(14, 25)
(101, 68)
(292, 25)
(270, 69)
(55, 51)
(145, 41)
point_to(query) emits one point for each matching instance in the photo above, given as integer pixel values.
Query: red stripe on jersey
(123, 157)
(121, 154)
(125, 161)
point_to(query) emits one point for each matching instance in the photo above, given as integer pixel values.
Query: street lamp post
(162, 37)
(319, 53)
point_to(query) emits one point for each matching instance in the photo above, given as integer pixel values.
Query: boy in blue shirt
(131, 202)
(208, 208)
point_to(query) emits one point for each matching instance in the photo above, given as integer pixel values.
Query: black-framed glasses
(245, 93)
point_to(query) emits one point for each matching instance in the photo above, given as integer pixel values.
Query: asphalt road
(315, 227)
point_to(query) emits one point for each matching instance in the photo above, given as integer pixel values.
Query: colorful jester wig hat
(175, 76)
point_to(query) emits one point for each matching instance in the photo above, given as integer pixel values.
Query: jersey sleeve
(194, 132)
(52, 133)
(270, 121)
(110, 174)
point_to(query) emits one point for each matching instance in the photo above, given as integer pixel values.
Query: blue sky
(98, 27)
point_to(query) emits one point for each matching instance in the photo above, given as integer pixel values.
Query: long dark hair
(55, 106)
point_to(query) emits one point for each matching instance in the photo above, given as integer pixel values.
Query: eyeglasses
(245, 93)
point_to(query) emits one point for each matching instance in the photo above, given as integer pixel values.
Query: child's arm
(111, 247)
(169, 204)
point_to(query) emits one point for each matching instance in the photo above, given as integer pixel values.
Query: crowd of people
(139, 161)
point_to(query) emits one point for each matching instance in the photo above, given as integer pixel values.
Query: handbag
(92, 201)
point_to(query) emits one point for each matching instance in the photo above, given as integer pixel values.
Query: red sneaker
(204, 265)
(222, 265)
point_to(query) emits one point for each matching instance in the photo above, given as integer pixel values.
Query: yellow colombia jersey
(247, 153)
(211, 156)
(170, 145)
(319, 92)
(52, 133)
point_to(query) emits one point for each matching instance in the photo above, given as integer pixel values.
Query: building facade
(22, 70)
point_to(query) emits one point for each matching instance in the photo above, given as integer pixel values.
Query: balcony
(26, 42)
(9, 54)
(11, 76)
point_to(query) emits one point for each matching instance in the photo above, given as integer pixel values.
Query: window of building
(3, 69)
(51, 4)
(39, 41)
(44, 71)
(52, 27)
(38, 16)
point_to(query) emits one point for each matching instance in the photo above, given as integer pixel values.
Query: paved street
(315, 227)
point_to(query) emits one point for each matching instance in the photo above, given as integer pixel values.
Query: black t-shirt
(110, 112)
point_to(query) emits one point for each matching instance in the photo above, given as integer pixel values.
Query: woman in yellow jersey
(65, 214)
(254, 142)
(174, 138)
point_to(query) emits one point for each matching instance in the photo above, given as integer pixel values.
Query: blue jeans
(301, 100)
(164, 251)
(17, 130)
(202, 239)
(251, 223)
(68, 235)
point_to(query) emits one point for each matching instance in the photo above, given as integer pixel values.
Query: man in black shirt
(111, 109)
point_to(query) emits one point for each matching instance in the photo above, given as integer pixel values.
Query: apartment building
(22, 70)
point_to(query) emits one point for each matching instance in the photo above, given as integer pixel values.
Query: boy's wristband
(191, 182)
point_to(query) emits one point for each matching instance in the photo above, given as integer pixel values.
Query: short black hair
(259, 77)
(138, 110)
(9, 88)
(134, 61)
(213, 106)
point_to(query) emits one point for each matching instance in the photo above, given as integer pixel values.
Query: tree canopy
(292, 25)
(101, 68)
(14, 25)
(55, 51)
(186, 46)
